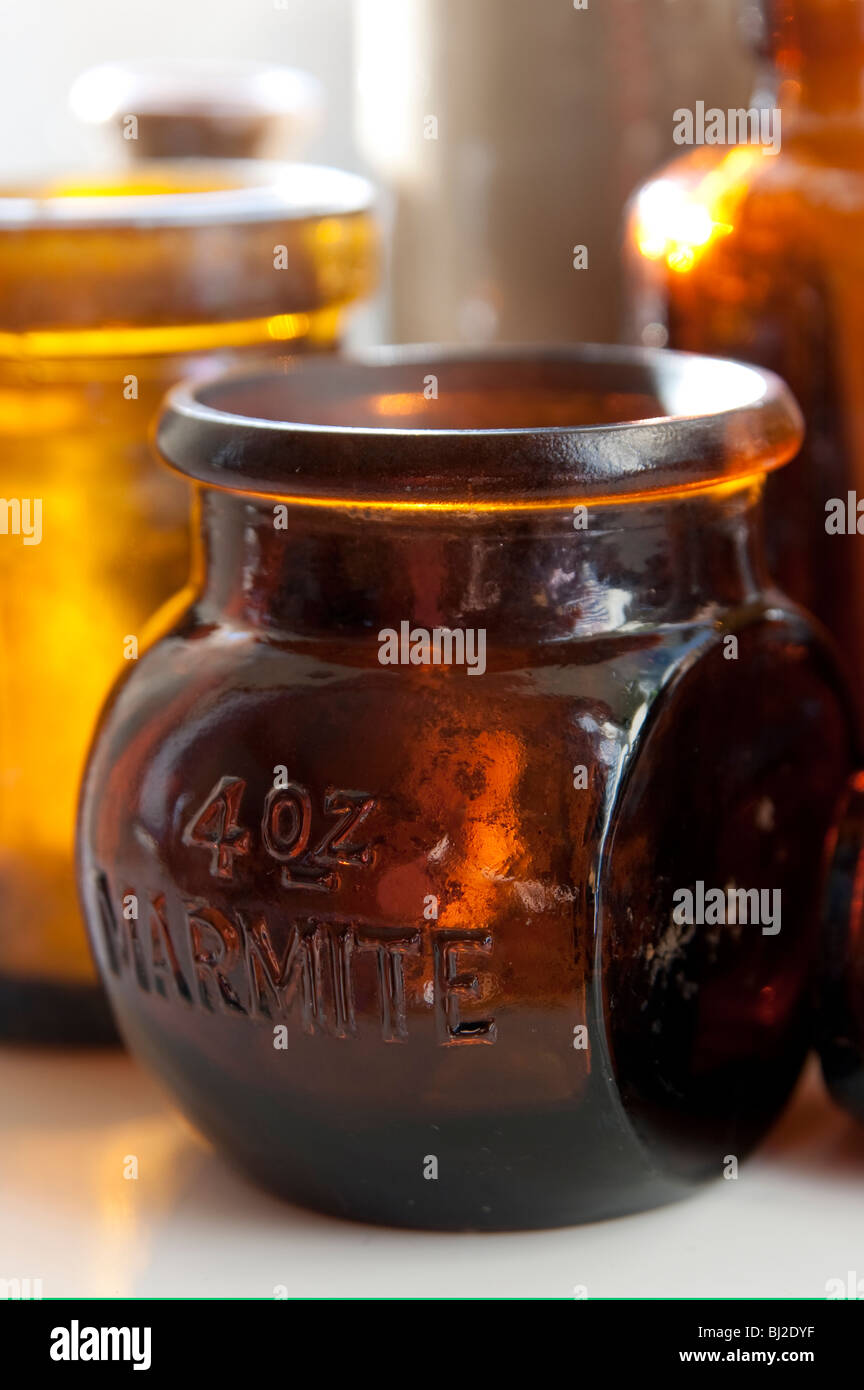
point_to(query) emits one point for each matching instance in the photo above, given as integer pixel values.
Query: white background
(44, 44)
(188, 1227)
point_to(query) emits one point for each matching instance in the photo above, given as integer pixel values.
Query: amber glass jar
(109, 293)
(199, 108)
(394, 916)
(758, 252)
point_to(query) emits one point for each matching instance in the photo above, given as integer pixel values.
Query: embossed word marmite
(428, 940)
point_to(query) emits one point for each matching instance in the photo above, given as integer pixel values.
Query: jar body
(77, 397)
(113, 547)
(400, 939)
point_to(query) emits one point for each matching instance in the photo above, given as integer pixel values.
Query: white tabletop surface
(188, 1227)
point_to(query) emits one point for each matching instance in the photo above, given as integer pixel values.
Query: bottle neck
(815, 49)
(527, 577)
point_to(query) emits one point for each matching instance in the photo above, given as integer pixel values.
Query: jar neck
(815, 49)
(531, 576)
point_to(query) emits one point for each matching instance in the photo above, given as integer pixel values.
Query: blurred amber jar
(400, 932)
(758, 253)
(108, 293)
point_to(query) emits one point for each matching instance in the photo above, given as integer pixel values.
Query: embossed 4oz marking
(286, 830)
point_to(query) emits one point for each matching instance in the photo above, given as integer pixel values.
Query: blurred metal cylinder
(511, 134)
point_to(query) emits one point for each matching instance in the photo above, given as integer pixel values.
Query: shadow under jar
(386, 843)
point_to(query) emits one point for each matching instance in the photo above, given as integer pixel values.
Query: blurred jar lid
(252, 248)
(200, 108)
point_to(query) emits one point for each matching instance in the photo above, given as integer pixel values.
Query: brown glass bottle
(400, 935)
(757, 253)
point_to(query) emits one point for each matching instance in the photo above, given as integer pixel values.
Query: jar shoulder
(715, 208)
(234, 688)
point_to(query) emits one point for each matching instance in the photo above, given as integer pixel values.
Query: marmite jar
(109, 293)
(453, 852)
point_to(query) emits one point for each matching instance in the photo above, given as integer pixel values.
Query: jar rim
(247, 190)
(360, 431)
(143, 85)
